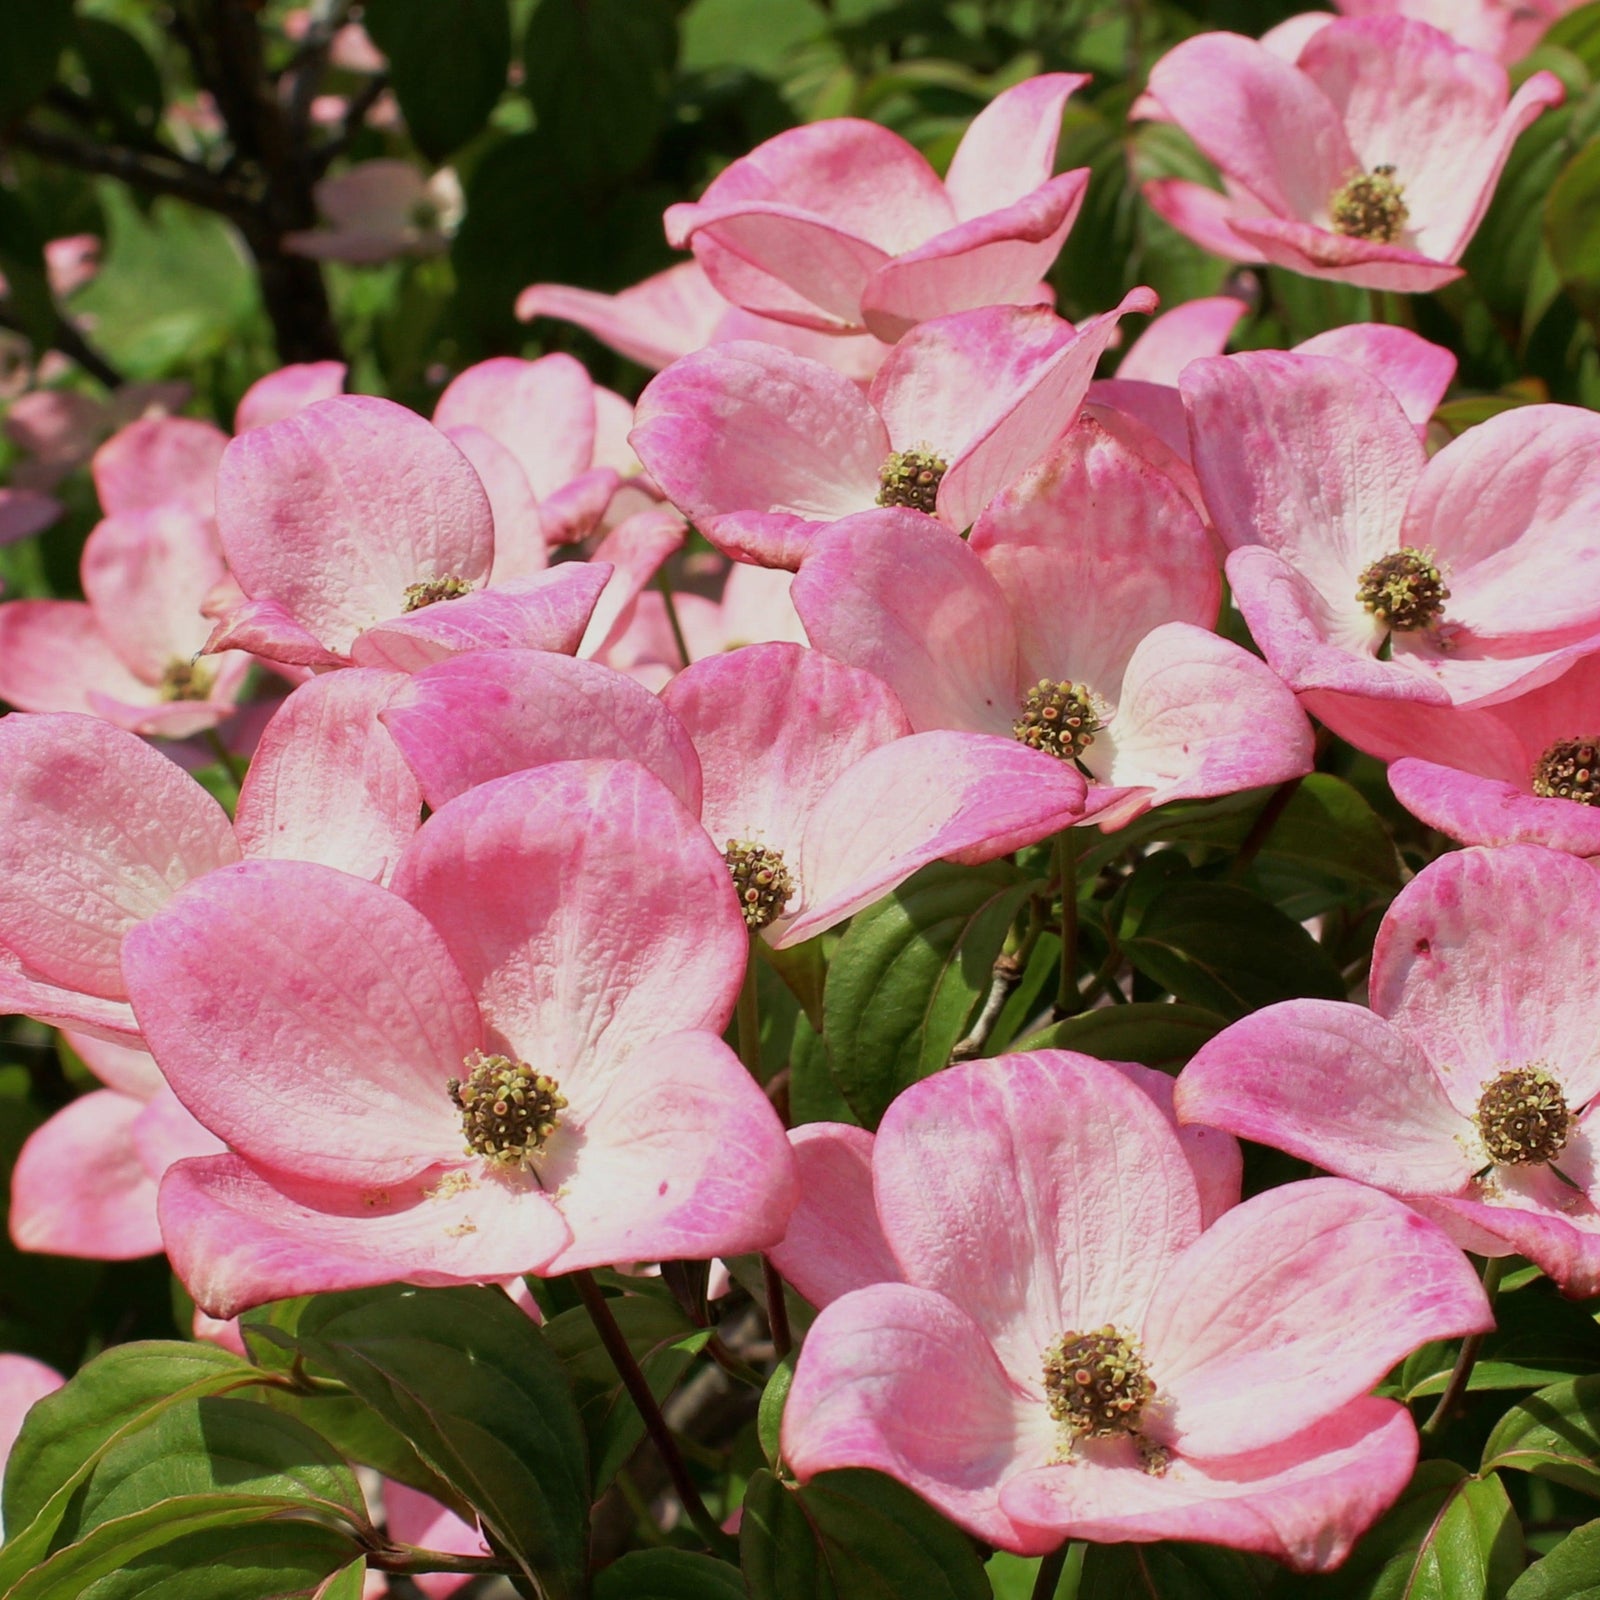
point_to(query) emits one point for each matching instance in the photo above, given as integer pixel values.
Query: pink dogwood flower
(1505, 29)
(821, 798)
(1470, 1087)
(128, 653)
(1077, 620)
(1145, 387)
(358, 533)
(290, 389)
(1070, 1355)
(837, 1243)
(377, 210)
(85, 1182)
(554, 422)
(509, 1065)
(1371, 158)
(1522, 771)
(762, 449)
(799, 767)
(98, 831)
(843, 226)
(677, 312)
(755, 608)
(1371, 573)
(58, 430)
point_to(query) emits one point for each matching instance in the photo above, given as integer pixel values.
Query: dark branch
(154, 172)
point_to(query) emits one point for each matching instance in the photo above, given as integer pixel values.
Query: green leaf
(907, 975)
(1218, 946)
(1572, 229)
(1554, 1434)
(1579, 33)
(107, 1550)
(804, 968)
(769, 1417)
(67, 1433)
(813, 1095)
(669, 1575)
(175, 287)
(582, 55)
(359, 1434)
(123, 79)
(1327, 825)
(448, 61)
(466, 1377)
(1149, 1031)
(664, 1342)
(348, 1583)
(852, 1535)
(1450, 1536)
(1572, 1570)
(1540, 1338)
(35, 36)
(214, 1445)
(1172, 1572)
(1508, 242)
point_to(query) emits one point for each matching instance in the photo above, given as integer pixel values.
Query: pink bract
(1506, 29)
(547, 414)
(836, 1243)
(1493, 774)
(98, 831)
(1371, 158)
(377, 210)
(1092, 577)
(85, 1182)
(1315, 477)
(807, 762)
(677, 312)
(572, 919)
(762, 449)
(1034, 1201)
(357, 532)
(128, 653)
(842, 225)
(1477, 993)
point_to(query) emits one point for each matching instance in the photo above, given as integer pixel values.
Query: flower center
(1404, 590)
(1523, 1117)
(434, 590)
(1097, 1386)
(1060, 719)
(185, 680)
(763, 882)
(1567, 771)
(507, 1109)
(911, 478)
(1370, 206)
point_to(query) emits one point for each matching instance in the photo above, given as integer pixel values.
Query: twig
(1261, 829)
(412, 1558)
(1466, 1358)
(70, 342)
(355, 116)
(1009, 969)
(1067, 1001)
(155, 172)
(1050, 1570)
(638, 1387)
(777, 1309)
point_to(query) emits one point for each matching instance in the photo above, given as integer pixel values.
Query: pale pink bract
(842, 225)
(1033, 1200)
(1479, 1008)
(1371, 158)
